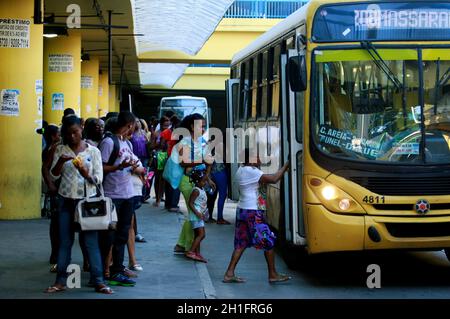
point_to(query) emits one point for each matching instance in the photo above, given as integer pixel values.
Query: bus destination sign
(395, 21)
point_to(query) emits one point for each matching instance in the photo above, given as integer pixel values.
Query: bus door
(232, 94)
(292, 149)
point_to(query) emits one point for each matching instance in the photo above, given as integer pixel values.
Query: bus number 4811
(374, 199)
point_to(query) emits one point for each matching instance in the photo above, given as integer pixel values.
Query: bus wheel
(294, 256)
(447, 253)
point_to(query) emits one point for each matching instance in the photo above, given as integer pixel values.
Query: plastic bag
(173, 172)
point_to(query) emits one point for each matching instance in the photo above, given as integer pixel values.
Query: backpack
(116, 148)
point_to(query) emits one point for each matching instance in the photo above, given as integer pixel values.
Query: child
(198, 213)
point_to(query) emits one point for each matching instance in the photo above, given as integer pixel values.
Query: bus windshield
(367, 106)
(184, 106)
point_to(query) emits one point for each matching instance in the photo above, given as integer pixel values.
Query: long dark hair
(69, 121)
(189, 120)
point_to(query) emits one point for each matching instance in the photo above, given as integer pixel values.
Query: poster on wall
(15, 33)
(57, 102)
(87, 82)
(60, 63)
(9, 102)
(39, 87)
(39, 105)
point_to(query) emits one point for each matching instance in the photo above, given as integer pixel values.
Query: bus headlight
(333, 198)
(344, 204)
(329, 192)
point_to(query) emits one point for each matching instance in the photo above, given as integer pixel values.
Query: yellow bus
(358, 94)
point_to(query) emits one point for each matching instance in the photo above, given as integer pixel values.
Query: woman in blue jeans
(79, 166)
(219, 177)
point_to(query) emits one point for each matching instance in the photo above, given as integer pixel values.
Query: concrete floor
(24, 268)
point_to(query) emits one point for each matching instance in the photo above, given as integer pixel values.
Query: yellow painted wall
(230, 36)
(67, 82)
(203, 79)
(113, 99)
(20, 145)
(89, 94)
(103, 94)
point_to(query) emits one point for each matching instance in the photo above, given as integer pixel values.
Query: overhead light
(54, 31)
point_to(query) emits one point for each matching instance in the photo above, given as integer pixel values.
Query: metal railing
(263, 9)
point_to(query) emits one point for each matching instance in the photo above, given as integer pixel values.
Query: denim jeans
(221, 180)
(66, 212)
(172, 196)
(119, 238)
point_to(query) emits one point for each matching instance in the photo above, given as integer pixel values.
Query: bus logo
(422, 206)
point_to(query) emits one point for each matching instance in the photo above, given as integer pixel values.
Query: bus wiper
(380, 63)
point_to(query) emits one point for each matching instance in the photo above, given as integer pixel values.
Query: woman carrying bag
(79, 166)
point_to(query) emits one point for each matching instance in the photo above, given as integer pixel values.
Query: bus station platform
(25, 250)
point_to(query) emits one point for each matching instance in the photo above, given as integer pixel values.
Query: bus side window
(262, 112)
(274, 87)
(290, 43)
(246, 91)
(255, 87)
(238, 107)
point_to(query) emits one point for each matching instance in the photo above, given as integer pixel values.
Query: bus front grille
(409, 207)
(404, 186)
(411, 230)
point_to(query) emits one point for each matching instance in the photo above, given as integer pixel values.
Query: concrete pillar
(103, 94)
(21, 56)
(62, 76)
(113, 99)
(89, 88)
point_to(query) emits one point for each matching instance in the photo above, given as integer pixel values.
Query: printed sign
(39, 88)
(407, 149)
(39, 105)
(348, 141)
(87, 82)
(57, 102)
(15, 33)
(60, 63)
(376, 18)
(9, 102)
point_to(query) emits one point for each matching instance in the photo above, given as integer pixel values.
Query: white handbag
(96, 213)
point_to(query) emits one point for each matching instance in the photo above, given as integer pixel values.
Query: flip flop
(54, 289)
(233, 279)
(280, 278)
(104, 290)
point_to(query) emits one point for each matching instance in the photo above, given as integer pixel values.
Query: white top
(200, 204)
(137, 185)
(250, 196)
(72, 183)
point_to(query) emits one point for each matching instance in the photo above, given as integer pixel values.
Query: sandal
(280, 278)
(234, 279)
(223, 222)
(201, 258)
(104, 289)
(54, 289)
(178, 250)
(193, 256)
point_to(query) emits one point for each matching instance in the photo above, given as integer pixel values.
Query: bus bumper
(328, 232)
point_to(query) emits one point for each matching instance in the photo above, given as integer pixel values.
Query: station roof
(153, 25)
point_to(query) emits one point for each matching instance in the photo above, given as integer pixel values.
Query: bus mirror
(297, 73)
